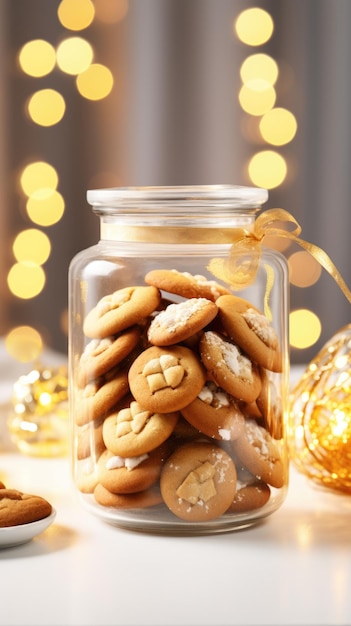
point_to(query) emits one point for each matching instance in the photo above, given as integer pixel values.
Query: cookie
(134, 430)
(260, 454)
(120, 310)
(166, 379)
(269, 404)
(185, 284)
(86, 478)
(142, 499)
(180, 321)
(198, 482)
(229, 368)
(131, 474)
(100, 396)
(215, 413)
(101, 355)
(251, 331)
(18, 508)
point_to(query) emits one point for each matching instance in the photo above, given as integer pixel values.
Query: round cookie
(129, 475)
(260, 454)
(134, 430)
(120, 310)
(270, 406)
(229, 368)
(180, 321)
(185, 284)
(18, 508)
(198, 482)
(215, 413)
(101, 355)
(99, 397)
(251, 330)
(142, 499)
(166, 379)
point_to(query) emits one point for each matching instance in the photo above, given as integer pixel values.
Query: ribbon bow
(240, 267)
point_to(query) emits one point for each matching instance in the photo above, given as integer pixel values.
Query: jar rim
(235, 196)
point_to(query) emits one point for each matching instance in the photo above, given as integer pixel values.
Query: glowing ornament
(320, 415)
(38, 422)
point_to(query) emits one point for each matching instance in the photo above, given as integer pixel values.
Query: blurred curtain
(174, 118)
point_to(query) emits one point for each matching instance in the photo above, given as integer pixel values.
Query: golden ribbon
(240, 267)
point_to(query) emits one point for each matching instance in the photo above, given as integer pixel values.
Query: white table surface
(292, 569)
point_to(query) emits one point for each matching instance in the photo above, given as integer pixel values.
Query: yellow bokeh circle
(76, 14)
(26, 279)
(37, 175)
(305, 328)
(278, 126)
(95, 83)
(37, 58)
(267, 169)
(45, 207)
(46, 107)
(254, 26)
(257, 97)
(259, 66)
(32, 245)
(74, 55)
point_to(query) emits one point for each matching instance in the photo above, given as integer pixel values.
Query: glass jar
(178, 362)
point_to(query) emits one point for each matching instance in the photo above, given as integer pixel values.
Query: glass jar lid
(190, 196)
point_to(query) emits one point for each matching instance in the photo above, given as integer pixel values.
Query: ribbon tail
(325, 261)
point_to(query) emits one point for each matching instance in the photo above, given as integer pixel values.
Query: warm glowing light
(26, 280)
(24, 343)
(278, 126)
(74, 55)
(46, 107)
(45, 207)
(32, 245)
(305, 328)
(254, 26)
(37, 58)
(304, 270)
(38, 175)
(257, 97)
(267, 169)
(95, 83)
(259, 66)
(111, 11)
(76, 14)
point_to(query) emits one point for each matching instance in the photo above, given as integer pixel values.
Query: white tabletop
(292, 569)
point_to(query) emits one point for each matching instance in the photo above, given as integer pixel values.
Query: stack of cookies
(174, 400)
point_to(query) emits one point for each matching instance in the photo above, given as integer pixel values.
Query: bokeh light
(46, 107)
(304, 270)
(95, 83)
(76, 14)
(38, 175)
(305, 328)
(45, 207)
(278, 126)
(26, 279)
(257, 97)
(74, 55)
(32, 245)
(254, 26)
(37, 58)
(259, 66)
(267, 169)
(24, 343)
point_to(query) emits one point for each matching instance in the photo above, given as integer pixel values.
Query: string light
(320, 416)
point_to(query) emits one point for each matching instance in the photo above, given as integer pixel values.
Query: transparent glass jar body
(204, 450)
